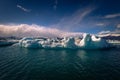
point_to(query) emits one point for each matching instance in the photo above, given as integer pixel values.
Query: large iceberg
(87, 42)
(92, 42)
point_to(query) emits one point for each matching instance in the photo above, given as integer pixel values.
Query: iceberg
(92, 42)
(87, 42)
(29, 43)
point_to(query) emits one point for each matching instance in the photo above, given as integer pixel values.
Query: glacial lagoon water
(18, 63)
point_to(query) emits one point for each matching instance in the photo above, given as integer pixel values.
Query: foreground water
(40, 64)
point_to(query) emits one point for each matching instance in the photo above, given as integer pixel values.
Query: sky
(90, 16)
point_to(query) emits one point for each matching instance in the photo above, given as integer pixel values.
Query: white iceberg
(87, 42)
(91, 42)
(29, 43)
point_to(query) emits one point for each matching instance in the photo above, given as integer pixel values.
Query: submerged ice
(87, 42)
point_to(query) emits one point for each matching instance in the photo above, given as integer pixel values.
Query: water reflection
(82, 54)
(63, 55)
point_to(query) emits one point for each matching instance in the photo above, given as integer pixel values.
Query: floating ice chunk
(29, 43)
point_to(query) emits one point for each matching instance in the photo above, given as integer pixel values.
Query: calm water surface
(40, 64)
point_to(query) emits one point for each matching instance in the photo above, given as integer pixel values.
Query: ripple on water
(40, 64)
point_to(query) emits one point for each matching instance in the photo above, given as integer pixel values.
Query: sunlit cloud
(109, 33)
(100, 24)
(104, 32)
(25, 30)
(112, 15)
(23, 9)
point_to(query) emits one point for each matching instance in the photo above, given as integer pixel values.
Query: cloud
(109, 33)
(112, 16)
(23, 9)
(108, 21)
(72, 22)
(100, 24)
(118, 26)
(25, 30)
(104, 32)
